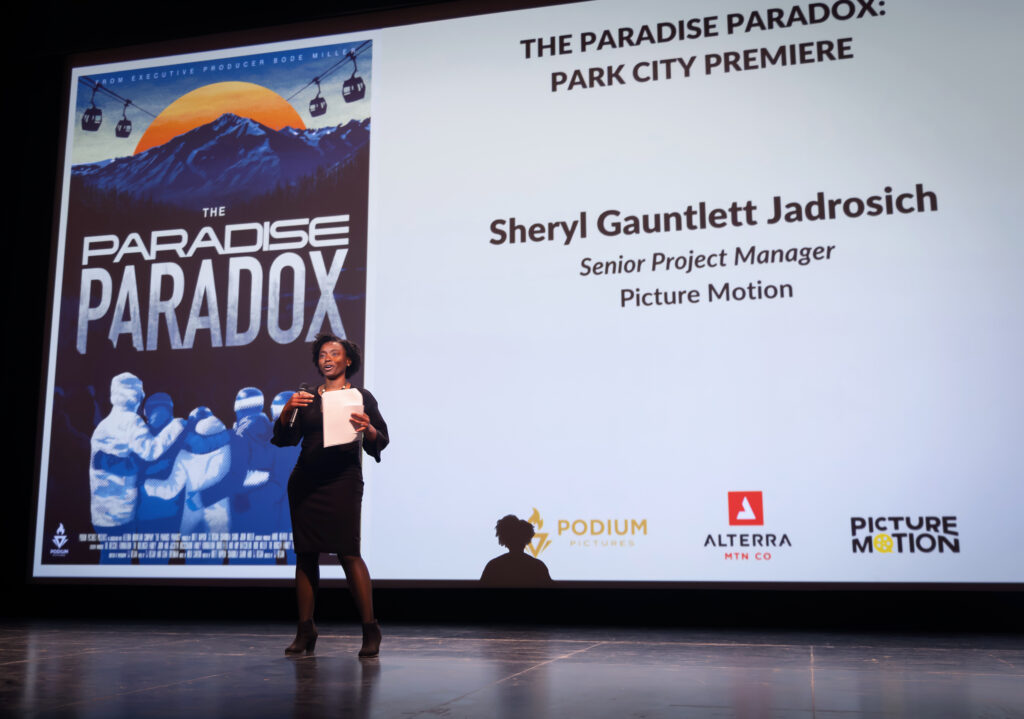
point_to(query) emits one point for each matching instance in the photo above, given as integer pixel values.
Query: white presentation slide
(698, 292)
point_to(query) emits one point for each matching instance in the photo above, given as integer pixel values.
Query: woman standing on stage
(325, 490)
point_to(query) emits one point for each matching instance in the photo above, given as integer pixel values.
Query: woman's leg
(307, 580)
(358, 577)
(359, 584)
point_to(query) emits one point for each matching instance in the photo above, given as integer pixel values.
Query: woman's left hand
(362, 424)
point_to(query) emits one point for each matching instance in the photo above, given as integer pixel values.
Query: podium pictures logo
(746, 509)
(540, 539)
(588, 532)
(60, 541)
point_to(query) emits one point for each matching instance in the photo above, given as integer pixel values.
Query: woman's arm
(373, 426)
(288, 433)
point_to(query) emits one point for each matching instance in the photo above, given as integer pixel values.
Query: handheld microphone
(295, 412)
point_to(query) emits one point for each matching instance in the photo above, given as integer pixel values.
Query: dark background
(39, 37)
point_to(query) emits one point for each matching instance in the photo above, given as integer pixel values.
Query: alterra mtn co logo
(746, 509)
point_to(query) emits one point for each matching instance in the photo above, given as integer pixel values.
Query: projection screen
(700, 292)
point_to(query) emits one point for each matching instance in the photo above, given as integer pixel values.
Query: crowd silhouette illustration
(168, 490)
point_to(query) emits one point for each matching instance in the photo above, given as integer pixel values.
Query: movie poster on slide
(214, 221)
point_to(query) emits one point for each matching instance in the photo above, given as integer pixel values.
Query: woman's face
(332, 361)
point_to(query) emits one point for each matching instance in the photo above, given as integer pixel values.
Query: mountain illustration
(230, 158)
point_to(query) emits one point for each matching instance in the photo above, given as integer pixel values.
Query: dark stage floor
(204, 670)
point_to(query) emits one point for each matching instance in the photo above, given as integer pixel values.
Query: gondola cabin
(92, 118)
(353, 89)
(317, 106)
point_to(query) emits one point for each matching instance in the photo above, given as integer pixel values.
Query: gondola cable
(352, 89)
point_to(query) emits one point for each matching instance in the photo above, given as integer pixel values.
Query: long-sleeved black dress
(325, 490)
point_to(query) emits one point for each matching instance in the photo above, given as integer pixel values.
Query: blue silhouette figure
(260, 498)
(284, 459)
(162, 491)
(119, 447)
(255, 500)
(204, 463)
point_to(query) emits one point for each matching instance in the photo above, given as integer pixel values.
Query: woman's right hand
(297, 400)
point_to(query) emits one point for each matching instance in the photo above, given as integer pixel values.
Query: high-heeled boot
(371, 640)
(305, 639)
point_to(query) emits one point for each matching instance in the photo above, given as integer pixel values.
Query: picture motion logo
(905, 534)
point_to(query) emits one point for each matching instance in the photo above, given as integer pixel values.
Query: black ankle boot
(305, 639)
(371, 640)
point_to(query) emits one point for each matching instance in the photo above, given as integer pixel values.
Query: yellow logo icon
(540, 539)
(883, 543)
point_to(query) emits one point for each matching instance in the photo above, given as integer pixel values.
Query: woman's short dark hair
(355, 356)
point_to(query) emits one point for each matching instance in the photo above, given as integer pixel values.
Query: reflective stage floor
(203, 670)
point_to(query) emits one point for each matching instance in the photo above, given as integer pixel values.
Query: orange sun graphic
(209, 102)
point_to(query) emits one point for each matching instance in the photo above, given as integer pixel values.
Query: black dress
(325, 490)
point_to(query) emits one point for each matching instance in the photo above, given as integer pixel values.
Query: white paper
(338, 408)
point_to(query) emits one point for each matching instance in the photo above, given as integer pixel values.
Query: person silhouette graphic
(515, 568)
